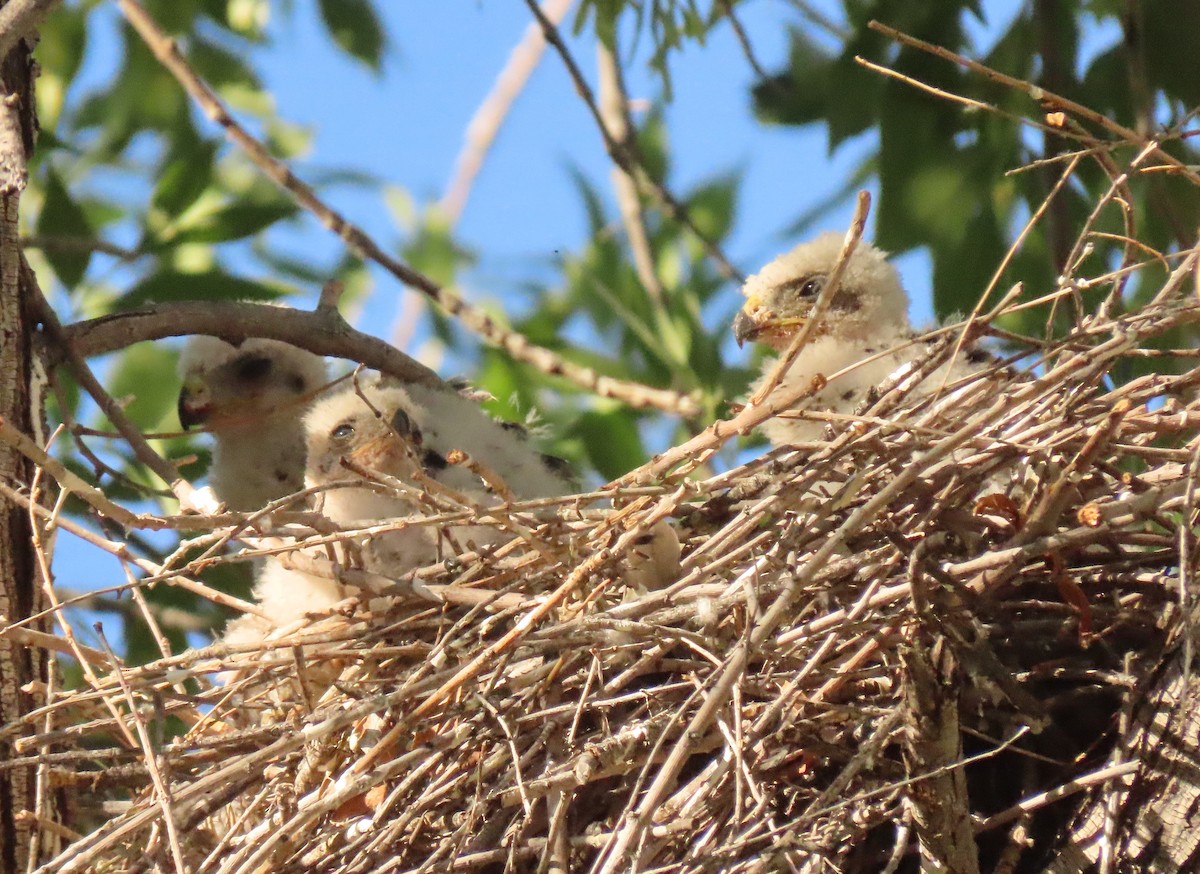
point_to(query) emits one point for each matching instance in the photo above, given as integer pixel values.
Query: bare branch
(18, 18)
(488, 118)
(625, 154)
(323, 332)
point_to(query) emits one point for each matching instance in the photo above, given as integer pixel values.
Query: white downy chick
(405, 432)
(286, 595)
(408, 432)
(252, 398)
(867, 322)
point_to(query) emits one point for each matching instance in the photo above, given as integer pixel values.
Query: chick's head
(779, 298)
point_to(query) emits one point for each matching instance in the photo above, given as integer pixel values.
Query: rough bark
(1147, 822)
(17, 590)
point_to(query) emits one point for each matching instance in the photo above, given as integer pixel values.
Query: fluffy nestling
(251, 397)
(866, 325)
(406, 432)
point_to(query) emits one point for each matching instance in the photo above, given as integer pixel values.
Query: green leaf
(145, 372)
(612, 441)
(169, 285)
(799, 94)
(219, 67)
(63, 217)
(356, 28)
(185, 175)
(234, 222)
(711, 207)
(60, 51)
(1168, 41)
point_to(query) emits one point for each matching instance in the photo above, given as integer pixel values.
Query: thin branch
(515, 344)
(614, 108)
(78, 245)
(189, 497)
(488, 118)
(322, 332)
(625, 155)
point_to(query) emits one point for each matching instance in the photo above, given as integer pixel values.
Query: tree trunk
(18, 666)
(1146, 822)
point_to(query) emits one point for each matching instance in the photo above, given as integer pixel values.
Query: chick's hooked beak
(745, 327)
(195, 403)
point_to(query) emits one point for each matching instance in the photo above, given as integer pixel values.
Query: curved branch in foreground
(322, 331)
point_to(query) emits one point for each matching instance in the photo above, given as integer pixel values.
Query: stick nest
(957, 590)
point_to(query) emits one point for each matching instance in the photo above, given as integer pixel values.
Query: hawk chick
(866, 325)
(251, 397)
(404, 432)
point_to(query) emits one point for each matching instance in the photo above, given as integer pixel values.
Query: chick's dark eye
(296, 383)
(812, 287)
(343, 431)
(253, 368)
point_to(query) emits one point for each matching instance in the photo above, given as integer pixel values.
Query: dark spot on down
(296, 383)
(515, 427)
(405, 427)
(431, 460)
(559, 466)
(978, 356)
(252, 367)
(846, 302)
(849, 395)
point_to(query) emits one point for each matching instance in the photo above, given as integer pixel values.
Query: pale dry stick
(625, 154)
(1118, 183)
(219, 851)
(161, 791)
(43, 802)
(1034, 802)
(832, 282)
(1190, 263)
(1041, 95)
(517, 345)
(527, 622)
(121, 551)
(65, 477)
(614, 111)
(53, 643)
(678, 753)
(974, 105)
(866, 513)
(37, 513)
(613, 856)
(1002, 267)
(160, 639)
(493, 111)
